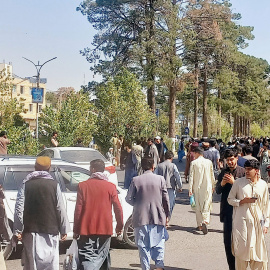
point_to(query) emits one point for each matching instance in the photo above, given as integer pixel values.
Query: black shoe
(204, 228)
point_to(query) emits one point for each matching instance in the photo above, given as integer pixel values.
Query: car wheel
(7, 245)
(128, 234)
(7, 249)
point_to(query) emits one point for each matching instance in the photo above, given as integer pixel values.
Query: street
(187, 249)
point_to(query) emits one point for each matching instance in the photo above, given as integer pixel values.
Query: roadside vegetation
(183, 58)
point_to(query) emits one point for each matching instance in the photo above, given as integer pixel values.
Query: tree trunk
(151, 98)
(240, 125)
(196, 101)
(205, 99)
(229, 119)
(219, 114)
(150, 13)
(172, 110)
(173, 89)
(236, 125)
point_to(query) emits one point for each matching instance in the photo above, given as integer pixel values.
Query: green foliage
(257, 131)
(163, 123)
(122, 108)
(74, 118)
(51, 98)
(22, 142)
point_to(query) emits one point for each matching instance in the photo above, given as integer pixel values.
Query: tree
(213, 39)
(141, 35)
(74, 118)
(22, 143)
(122, 108)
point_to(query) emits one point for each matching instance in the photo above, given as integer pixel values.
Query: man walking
(249, 197)
(213, 154)
(160, 148)
(148, 195)
(138, 151)
(93, 218)
(151, 151)
(169, 171)
(201, 185)
(225, 181)
(39, 217)
(181, 150)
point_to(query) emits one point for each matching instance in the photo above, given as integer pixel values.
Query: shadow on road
(182, 197)
(191, 229)
(139, 266)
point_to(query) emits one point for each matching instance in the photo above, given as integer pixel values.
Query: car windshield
(81, 156)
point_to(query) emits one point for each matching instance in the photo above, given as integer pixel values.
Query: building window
(30, 107)
(14, 88)
(39, 108)
(21, 89)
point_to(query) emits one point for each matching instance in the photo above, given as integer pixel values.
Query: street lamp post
(38, 68)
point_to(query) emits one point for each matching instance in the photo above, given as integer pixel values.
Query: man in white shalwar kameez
(249, 197)
(39, 217)
(201, 185)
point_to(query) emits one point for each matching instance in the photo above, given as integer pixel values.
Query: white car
(82, 157)
(14, 169)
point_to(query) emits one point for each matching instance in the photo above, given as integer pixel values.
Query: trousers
(171, 193)
(150, 240)
(227, 239)
(2, 260)
(254, 265)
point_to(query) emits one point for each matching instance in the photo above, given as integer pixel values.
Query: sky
(41, 30)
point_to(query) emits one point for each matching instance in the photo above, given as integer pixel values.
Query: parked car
(14, 169)
(82, 157)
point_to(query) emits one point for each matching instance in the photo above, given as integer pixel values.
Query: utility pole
(38, 68)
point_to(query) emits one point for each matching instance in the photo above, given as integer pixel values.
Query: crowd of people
(237, 170)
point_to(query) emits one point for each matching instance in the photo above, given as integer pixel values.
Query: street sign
(37, 95)
(187, 130)
(157, 112)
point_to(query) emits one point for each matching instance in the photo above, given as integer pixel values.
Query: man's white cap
(158, 138)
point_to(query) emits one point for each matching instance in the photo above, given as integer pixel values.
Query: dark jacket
(40, 212)
(225, 208)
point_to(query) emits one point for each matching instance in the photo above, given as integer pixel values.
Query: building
(21, 89)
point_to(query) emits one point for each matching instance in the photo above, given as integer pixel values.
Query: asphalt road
(186, 249)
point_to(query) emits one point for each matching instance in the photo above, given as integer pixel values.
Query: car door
(13, 177)
(12, 181)
(70, 177)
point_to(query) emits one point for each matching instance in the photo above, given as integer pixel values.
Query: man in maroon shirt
(93, 218)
